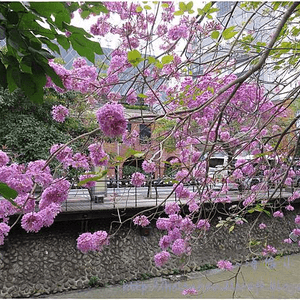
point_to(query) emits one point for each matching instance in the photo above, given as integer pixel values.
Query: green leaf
(3, 79)
(13, 77)
(134, 57)
(63, 41)
(207, 7)
(139, 154)
(182, 6)
(51, 73)
(151, 59)
(231, 228)
(7, 192)
(165, 5)
(139, 9)
(84, 14)
(167, 59)
(142, 95)
(50, 45)
(178, 13)
(95, 178)
(215, 34)
(189, 5)
(147, 7)
(228, 33)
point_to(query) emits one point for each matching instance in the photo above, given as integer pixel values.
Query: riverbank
(275, 278)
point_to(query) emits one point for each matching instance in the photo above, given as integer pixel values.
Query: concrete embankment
(48, 262)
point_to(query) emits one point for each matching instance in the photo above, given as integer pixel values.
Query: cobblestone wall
(48, 262)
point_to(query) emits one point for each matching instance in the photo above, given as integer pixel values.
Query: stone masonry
(48, 262)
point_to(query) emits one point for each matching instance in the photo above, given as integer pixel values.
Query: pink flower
(289, 207)
(137, 179)
(288, 241)
(225, 265)
(269, 250)
(79, 160)
(92, 242)
(161, 258)
(163, 224)
(111, 119)
(63, 155)
(148, 167)
(100, 239)
(225, 136)
(59, 113)
(297, 220)
(32, 222)
(4, 159)
(98, 155)
(88, 184)
(172, 208)
(296, 232)
(278, 214)
(262, 226)
(57, 192)
(49, 213)
(179, 247)
(187, 226)
(190, 292)
(141, 220)
(85, 242)
(4, 230)
(165, 242)
(203, 224)
(131, 97)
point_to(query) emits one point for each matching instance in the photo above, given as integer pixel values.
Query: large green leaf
(7, 192)
(229, 32)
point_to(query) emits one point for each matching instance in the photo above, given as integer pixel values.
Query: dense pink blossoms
(98, 155)
(111, 119)
(4, 230)
(141, 221)
(92, 241)
(161, 258)
(148, 167)
(269, 250)
(137, 179)
(59, 113)
(4, 159)
(225, 265)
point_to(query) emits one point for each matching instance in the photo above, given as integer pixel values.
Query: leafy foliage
(25, 63)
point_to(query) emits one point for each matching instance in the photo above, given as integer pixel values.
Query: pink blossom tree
(159, 48)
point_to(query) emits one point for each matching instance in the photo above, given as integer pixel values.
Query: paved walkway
(269, 278)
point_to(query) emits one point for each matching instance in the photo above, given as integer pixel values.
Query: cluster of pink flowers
(111, 119)
(269, 250)
(225, 265)
(59, 113)
(278, 214)
(203, 224)
(141, 221)
(137, 179)
(262, 226)
(148, 167)
(4, 230)
(88, 184)
(161, 258)
(4, 159)
(172, 208)
(98, 155)
(92, 241)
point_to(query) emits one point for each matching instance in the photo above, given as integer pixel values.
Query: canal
(269, 278)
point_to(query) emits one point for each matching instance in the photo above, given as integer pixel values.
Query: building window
(128, 127)
(145, 134)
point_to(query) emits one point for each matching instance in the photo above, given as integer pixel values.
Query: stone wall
(48, 262)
